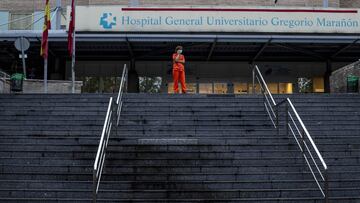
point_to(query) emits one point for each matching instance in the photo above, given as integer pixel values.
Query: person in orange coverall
(179, 70)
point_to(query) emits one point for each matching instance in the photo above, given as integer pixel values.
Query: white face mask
(179, 51)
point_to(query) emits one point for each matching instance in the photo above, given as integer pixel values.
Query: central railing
(106, 133)
(296, 126)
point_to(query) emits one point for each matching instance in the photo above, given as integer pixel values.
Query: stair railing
(296, 126)
(123, 87)
(4, 77)
(106, 133)
(268, 100)
(101, 152)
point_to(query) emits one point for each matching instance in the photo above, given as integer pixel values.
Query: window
(23, 24)
(240, 88)
(273, 88)
(205, 88)
(318, 85)
(220, 88)
(257, 88)
(4, 18)
(191, 88)
(285, 88)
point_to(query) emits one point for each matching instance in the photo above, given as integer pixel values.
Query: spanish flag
(47, 26)
(71, 33)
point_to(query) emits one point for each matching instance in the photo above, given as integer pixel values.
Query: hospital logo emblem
(107, 21)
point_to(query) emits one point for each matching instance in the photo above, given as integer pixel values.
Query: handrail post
(277, 120)
(263, 93)
(303, 145)
(126, 79)
(94, 186)
(114, 109)
(287, 119)
(253, 78)
(326, 186)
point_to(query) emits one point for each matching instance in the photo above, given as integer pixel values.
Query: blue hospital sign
(215, 19)
(107, 20)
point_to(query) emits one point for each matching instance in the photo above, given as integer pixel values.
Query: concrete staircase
(174, 148)
(48, 145)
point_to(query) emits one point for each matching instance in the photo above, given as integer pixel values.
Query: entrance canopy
(197, 46)
(246, 34)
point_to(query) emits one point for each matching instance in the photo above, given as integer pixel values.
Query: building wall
(338, 79)
(350, 3)
(36, 5)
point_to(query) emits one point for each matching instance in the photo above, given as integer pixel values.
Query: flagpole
(73, 52)
(73, 65)
(45, 74)
(45, 43)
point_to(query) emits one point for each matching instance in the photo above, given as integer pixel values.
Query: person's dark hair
(178, 48)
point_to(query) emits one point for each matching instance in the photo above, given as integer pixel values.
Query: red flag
(71, 28)
(46, 28)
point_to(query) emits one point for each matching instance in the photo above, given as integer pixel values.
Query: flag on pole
(47, 26)
(71, 29)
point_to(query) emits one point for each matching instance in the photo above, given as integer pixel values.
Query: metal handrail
(274, 115)
(101, 152)
(304, 135)
(123, 87)
(4, 77)
(269, 102)
(106, 132)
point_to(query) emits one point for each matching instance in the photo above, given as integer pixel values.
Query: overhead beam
(343, 49)
(213, 45)
(131, 51)
(171, 48)
(263, 47)
(301, 50)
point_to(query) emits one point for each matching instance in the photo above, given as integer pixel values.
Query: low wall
(4, 86)
(31, 86)
(338, 79)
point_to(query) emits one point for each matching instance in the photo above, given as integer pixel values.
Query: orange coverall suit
(179, 74)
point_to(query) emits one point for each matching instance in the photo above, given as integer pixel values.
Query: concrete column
(101, 85)
(197, 85)
(133, 78)
(58, 15)
(164, 78)
(296, 86)
(230, 88)
(325, 3)
(133, 3)
(327, 77)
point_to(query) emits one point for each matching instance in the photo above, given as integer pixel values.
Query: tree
(150, 84)
(305, 85)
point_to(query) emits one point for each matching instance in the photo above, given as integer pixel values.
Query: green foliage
(150, 84)
(305, 85)
(100, 84)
